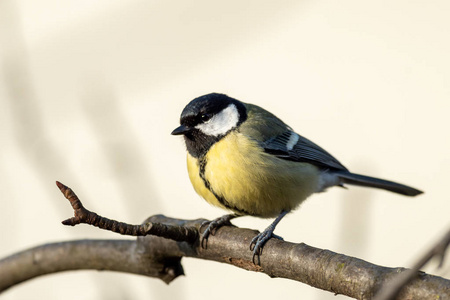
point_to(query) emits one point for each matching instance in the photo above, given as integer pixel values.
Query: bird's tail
(362, 180)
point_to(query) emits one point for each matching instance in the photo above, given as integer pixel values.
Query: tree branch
(111, 255)
(83, 215)
(160, 257)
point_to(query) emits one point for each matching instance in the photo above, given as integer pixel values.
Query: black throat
(198, 143)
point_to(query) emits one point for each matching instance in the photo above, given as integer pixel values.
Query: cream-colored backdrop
(90, 91)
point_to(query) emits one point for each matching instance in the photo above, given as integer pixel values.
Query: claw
(213, 226)
(258, 242)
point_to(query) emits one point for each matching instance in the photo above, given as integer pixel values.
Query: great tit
(243, 158)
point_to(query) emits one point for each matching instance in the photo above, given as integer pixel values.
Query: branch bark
(161, 258)
(162, 242)
(111, 255)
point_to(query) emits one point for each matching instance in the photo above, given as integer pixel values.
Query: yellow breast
(249, 181)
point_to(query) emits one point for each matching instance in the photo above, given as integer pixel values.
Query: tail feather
(362, 180)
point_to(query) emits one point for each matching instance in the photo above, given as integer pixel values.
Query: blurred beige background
(90, 91)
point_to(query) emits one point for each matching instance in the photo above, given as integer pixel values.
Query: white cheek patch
(293, 139)
(221, 123)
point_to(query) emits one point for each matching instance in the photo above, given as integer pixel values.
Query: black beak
(181, 130)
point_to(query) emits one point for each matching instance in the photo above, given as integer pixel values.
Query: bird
(244, 159)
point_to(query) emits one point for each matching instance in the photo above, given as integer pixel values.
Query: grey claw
(258, 242)
(213, 226)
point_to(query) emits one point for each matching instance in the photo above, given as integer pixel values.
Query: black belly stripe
(222, 200)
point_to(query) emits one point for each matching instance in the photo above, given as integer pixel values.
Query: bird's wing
(262, 125)
(292, 146)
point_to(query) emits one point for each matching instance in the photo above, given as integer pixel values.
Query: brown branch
(83, 215)
(160, 257)
(112, 255)
(179, 231)
(319, 268)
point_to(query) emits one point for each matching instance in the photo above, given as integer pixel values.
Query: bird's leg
(261, 239)
(214, 225)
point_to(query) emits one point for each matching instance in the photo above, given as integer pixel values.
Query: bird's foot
(213, 226)
(258, 242)
(261, 239)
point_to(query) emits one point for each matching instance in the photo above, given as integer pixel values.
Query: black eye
(205, 117)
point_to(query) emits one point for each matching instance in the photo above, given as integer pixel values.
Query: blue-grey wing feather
(302, 151)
